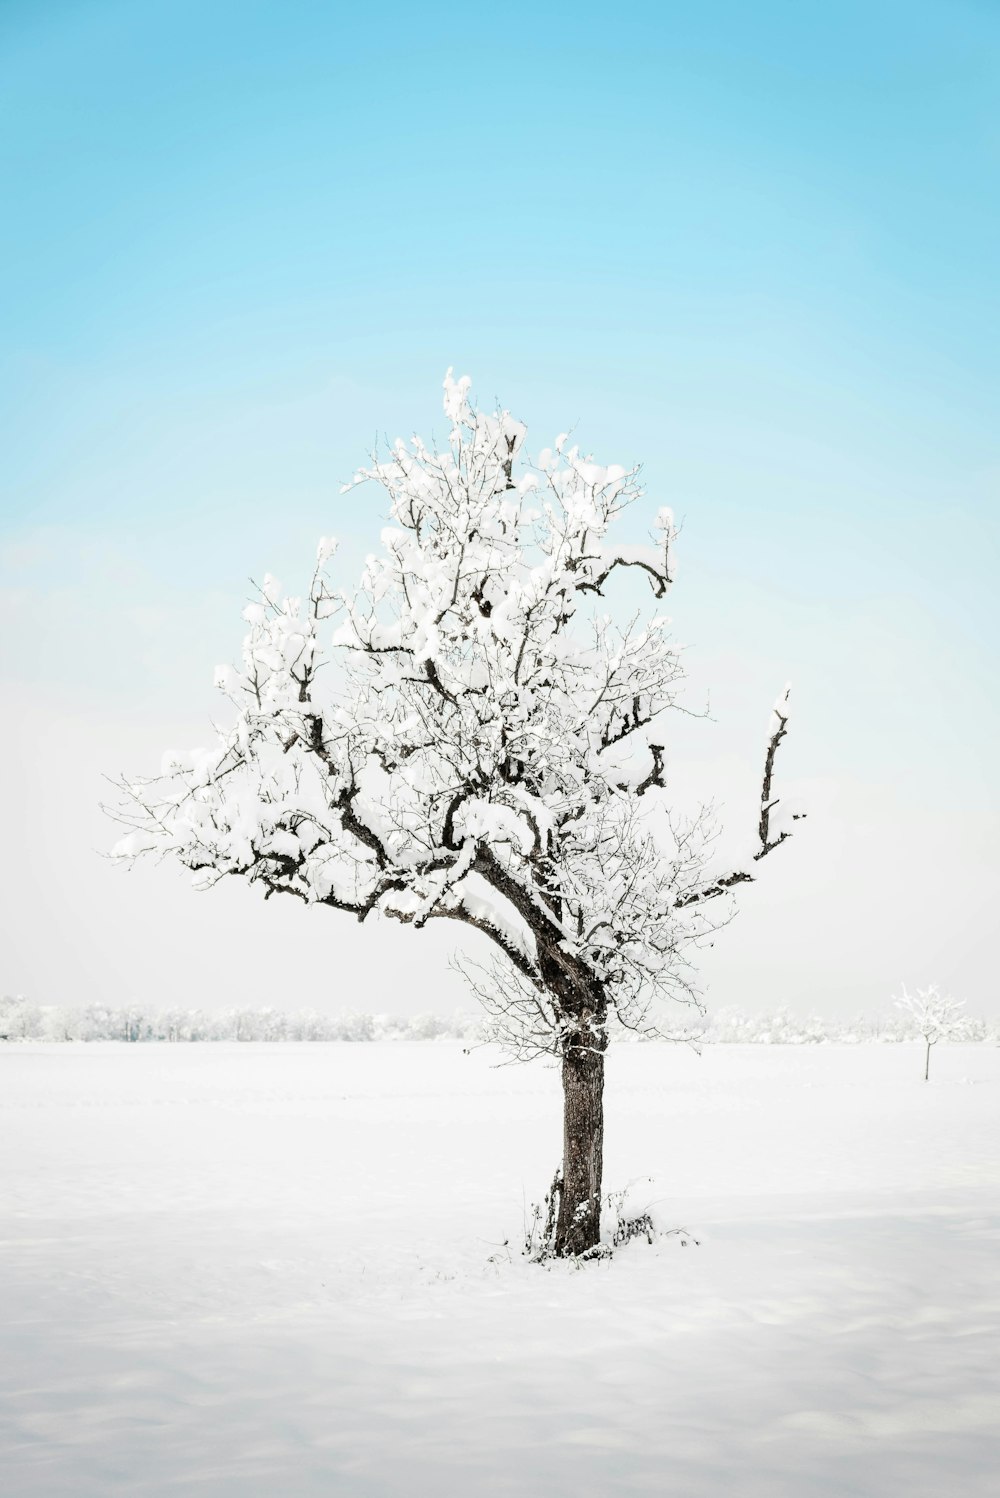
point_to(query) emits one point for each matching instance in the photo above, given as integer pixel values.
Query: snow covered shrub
(731, 1026)
(19, 1019)
(628, 1228)
(620, 1226)
(427, 1027)
(353, 1027)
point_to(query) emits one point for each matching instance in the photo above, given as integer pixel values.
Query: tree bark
(578, 1226)
(927, 1063)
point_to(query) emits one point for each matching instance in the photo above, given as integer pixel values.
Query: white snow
(247, 1271)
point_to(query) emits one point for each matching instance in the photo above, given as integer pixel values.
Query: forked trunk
(578, 1226)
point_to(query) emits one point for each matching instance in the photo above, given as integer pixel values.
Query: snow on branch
(769, 837)
(779, 727)
(933, 1014)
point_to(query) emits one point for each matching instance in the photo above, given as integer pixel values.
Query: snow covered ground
(279, 1271)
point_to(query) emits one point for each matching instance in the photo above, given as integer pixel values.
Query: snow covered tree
(468, 736)
(935, 1016)
(19, 1018)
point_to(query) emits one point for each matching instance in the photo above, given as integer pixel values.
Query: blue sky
(754, 247)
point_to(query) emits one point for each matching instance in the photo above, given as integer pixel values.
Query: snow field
(250, 1271)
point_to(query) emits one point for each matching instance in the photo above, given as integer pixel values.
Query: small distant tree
(477, 741)
(935, 1016)
(20, 1019)
(135, 1025)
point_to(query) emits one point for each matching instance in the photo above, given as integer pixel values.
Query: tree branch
(768, 843)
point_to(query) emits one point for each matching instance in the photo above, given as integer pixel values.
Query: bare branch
(726, 882)
(767, 843)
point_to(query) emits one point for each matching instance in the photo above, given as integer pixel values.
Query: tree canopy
(468, 736)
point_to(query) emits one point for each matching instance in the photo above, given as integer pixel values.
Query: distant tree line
(20, 1019)
(781, 1027)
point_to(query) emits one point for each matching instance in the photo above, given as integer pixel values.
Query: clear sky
(755, 247)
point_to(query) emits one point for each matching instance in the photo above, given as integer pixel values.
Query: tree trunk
(927, 1063)
(579, 1223)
